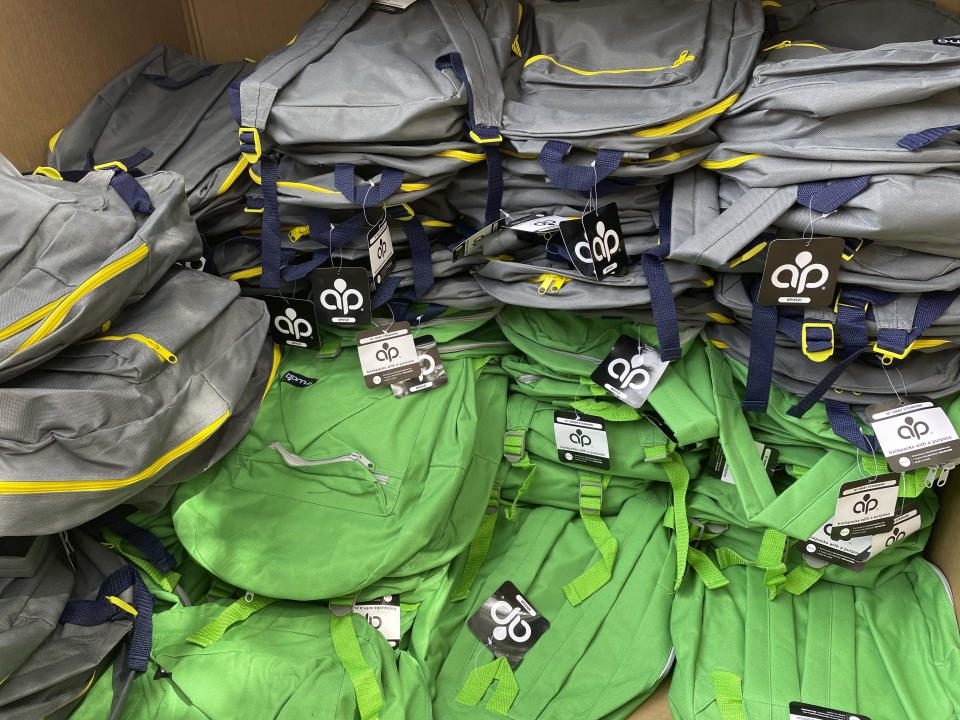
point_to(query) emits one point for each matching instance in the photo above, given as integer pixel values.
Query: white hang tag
(850, 554)
(383, 614)
(914, 433)
(473, 245)
(539, 224)
(380, 249)
(904, 525)
(581, 439)
(866, 507)
(630, 372)
(387, 357)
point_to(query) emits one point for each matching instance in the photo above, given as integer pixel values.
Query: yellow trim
(770, 3)
(292, 40)
(437, 223)
(159, 349)
(678, 125)
(748, 254)
(257, 147)
(413, 187)
(410, 214)
(237, 171)
(111, 164)
(53, 141)
(819, 355)
(405, 187)
(516, 38)
(50, 172)
(663, 158)
(789, 43)
(469, 157)
(126, 607)
(28, 320)
(525, 156)
(709, 282)
(722, 319)
(719, 344)
(12, 487)
(849, 255)
(101, 276)
(277, 355)
(105, 326)
(732, 162)
(888, 356)
(477, 139)
(244, 274)
(685, 57)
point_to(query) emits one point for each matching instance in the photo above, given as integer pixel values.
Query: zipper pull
(364, 459)
(68, 549)
(944, 474)
(298, 232)
(159, 349)
(551, 283)
(780, 46)
(248, 597)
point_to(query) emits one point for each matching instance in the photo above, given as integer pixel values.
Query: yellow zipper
(159, 349)
(65, 303)
(31, 319)
(54, 486)
(685, 57)
(790, 43)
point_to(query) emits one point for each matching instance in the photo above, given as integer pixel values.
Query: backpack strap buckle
(514, 446)
(493, 504)
(591, 497)
(818, 340)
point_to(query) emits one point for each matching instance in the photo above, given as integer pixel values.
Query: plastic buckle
(486, 140)
(115, 163)
(514, 458)
(258, 149)
(50, 172)
(849, 255)
(589, 511)
(410, 212)
(888, 356)
(493, 504)
(819, 355)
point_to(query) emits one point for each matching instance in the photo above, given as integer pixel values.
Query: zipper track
(28, 320)
(54, 486)
(293, 460)
(159, 349)
(104, 274)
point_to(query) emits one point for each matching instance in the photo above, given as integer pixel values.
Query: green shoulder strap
(479, 547)
(769, 558)
(611, 411)
(167, 581)
(598, 574)
(729, 693)
(679, 479)
(347, 647)
(239, 611)
(479, 680)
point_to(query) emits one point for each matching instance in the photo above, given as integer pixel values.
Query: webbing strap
(347, 646)
(319, 222)
(366, 194)
(845, 426)
(480, 679)
(386, 291)
(661, 298)
(728, 690)
(479, 547)
(238, 611)
(763, 341)
(707, 572)
(827, 196)
(143, 540)
(614, 412)
(598, 574)
(915, 141)
(510, 511)
(420, 256)
(769, 559)
(271, 254)
(802, 578)
(580, 178)
(168, 580)
(679, 478)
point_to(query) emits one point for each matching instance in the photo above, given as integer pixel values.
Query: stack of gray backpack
(845, 131)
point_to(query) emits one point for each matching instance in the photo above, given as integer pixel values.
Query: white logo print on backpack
(626, 372)
(799, 274)
(340, 298)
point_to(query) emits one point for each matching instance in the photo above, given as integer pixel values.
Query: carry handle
(581, 178)
(915, 141)
(827, 196)
(367, 194)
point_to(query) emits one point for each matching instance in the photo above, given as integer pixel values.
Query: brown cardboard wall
(56, 54)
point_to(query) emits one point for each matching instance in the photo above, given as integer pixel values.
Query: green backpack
(339, 489)
(887, 652)
(598, 659)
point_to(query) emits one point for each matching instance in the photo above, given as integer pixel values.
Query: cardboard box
(57, 53)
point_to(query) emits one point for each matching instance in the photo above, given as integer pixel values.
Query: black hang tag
(801, 272)
(630, 372)
(914, 432)
(293, 321)
(297, 380)
(380, 250)
(581, 439)
(866, 507)
(595, 243)
(718, 460)
(387, 357)
(161, 674)
(850, 554)
(342, 296)
(508, 625)
(955, 42)
(803, 711)
(473, 245)
(432, 375)
(907, 522)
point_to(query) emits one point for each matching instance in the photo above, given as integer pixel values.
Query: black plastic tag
(508, 625)
(955, 42)
(866, 507)
(630, 372)
(293, 321)
(162, 674)
(801, 272)
(914, 433)
(380, 249)
(803, 711)
(432, 375)
(850, 554)
(387, 357)
(581, 439)
(595, 243)
(342, 296)
(907, 522)
(473, 245)
(297, 380)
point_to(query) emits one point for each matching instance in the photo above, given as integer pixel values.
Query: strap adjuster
(514, 446)
(409, 215)
(485, 135)
(888, 356)
(493, 504)
(246, 143)
(598, 494)
(816, 355)
(113, 164)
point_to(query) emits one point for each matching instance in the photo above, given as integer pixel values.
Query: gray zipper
(296, 461)
(439, 321)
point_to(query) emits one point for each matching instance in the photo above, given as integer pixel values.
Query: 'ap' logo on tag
(896, 535)
(290, 324)
(602, 247)
(387, 353)
(629, 374)
(509, 623)
(912, 430)
(427, 365)
(340, 298)
(866, 505)
(798, 275)
(578, 438)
